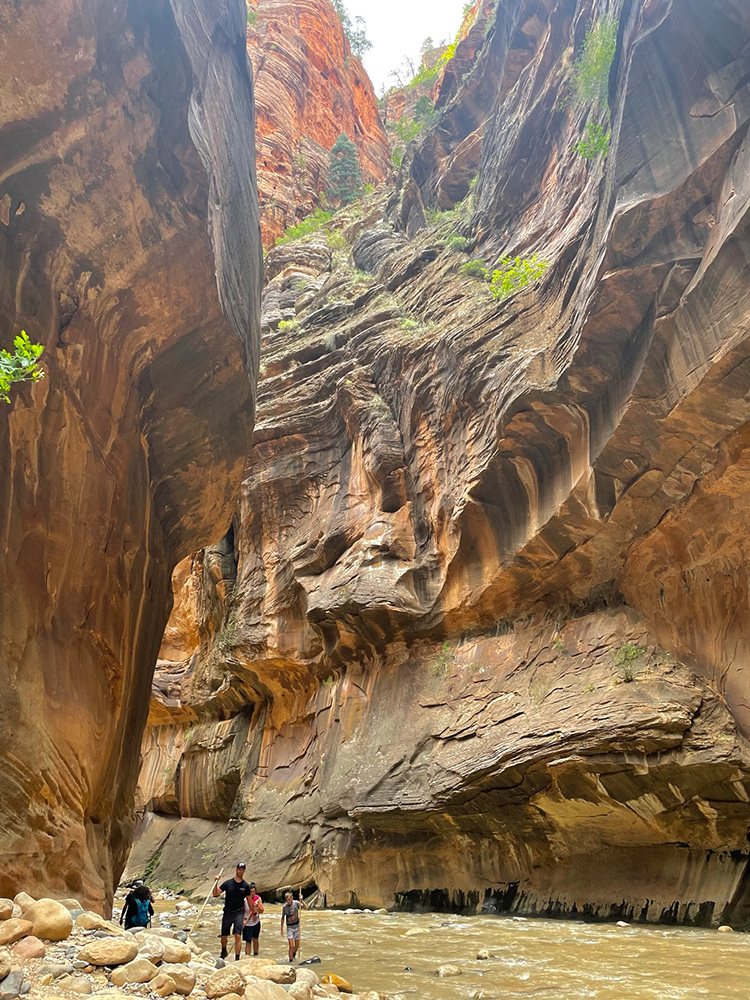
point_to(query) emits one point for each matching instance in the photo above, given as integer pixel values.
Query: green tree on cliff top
(356, 33)
(21, 366)
(344, 175)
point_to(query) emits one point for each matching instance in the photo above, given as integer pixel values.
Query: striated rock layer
(309, 89)
(479, 633)
(130, 245)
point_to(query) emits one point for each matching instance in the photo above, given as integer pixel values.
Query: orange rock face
(309, 89)
(121, 225)
(479, 635)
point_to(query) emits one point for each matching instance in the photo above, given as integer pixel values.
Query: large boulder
(223, 982)
(301, 991)
(50, 919)
(6, 909)
(90, 921)
(4, 963)
(183, 976)
(162, 985)
(276, 973)
(24, 900)
(109, 951)
(150, 946)
(140, 970)
(306, 975)
(175, 952)
(14, 929)
(264, 989)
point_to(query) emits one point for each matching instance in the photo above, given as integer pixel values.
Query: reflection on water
(532, 958)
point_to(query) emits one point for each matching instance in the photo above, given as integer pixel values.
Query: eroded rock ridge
(479, 633)
(130, 243)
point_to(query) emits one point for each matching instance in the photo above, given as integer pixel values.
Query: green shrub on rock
(595, 143)
(474, 269)
(591, 71)
(514, 273)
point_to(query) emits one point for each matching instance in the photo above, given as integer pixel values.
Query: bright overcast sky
(397, 28)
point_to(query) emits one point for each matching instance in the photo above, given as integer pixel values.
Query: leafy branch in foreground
(20, 366)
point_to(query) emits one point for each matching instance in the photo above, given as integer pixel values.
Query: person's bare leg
(256, 946)
(247, 948)
(237, 946)
(224, 946)
(291, 950)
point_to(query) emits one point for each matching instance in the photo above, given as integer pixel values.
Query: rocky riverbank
(54, 949)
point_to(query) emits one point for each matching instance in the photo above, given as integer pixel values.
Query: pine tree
(344, 175)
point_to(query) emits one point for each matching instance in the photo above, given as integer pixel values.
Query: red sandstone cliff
(308, 89)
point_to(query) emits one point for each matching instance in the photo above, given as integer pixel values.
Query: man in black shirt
(235, 890)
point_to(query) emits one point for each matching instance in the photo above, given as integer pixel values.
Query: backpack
(141, 917)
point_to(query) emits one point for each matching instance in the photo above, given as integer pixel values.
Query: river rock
(307, 976)
(622, 923)
(301, 991)
(140, 970)
(275, 973)
(183, 976)
(29, 947)
(484, 954)
(343, 985)
(55, 969)
(175, 952)
(51, 920)
(4, 963)
(162, 985)
(74, 984)
(109, 951)
(449, 970)
(264, 989)
(725, 929)
(183, 905)
(11, 985)
(24, 900)
(225, 981)
(14, 929)
(6, 909)
(416, 930)
(150, 946)
(90, 921)
(70, 903)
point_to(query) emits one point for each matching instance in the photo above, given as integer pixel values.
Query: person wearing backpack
(137, 909)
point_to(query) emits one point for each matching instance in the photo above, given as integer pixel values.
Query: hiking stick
(301, 900)
(200, 912)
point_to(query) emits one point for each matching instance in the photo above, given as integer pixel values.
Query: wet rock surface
(478, 594)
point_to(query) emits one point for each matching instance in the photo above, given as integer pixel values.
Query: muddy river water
(531, 958)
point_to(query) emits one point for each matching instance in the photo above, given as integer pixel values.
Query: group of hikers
(242, 909)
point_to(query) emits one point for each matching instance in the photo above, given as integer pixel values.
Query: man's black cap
(240, 864)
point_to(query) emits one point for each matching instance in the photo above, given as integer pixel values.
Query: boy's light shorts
(292, 933)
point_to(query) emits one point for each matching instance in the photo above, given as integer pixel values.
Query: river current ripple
(563, 960)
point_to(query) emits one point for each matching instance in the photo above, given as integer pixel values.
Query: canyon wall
(478, 635)
(130, 247)
(309, 88)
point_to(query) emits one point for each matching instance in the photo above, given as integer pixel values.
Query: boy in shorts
(290, 913)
